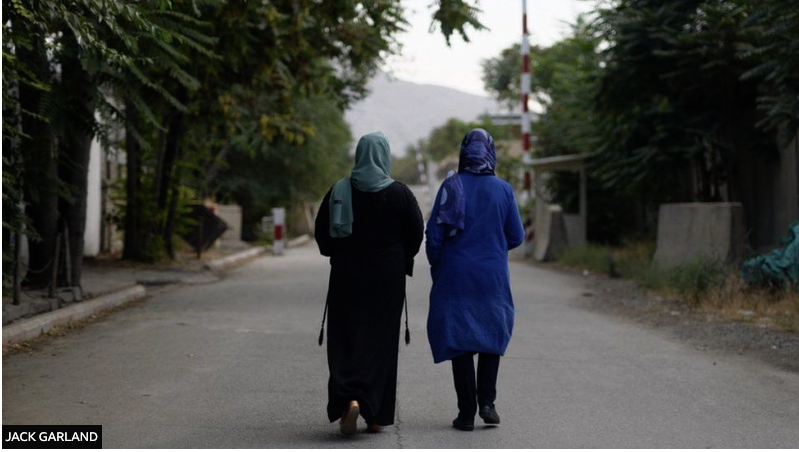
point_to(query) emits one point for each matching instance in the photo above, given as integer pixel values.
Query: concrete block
(231, 215)
(575, 230)
(691, 231)
(550, 233)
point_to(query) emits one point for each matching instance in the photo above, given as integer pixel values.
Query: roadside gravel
(703, 330)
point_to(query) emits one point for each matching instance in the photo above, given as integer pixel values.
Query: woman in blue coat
(474, 223)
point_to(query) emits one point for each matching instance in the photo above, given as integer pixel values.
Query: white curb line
(297, 241)
(228, 261)
(24, 330)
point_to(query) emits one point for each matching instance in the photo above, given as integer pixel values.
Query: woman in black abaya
(371, 227)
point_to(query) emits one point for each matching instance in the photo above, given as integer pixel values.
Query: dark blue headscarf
(477, 157)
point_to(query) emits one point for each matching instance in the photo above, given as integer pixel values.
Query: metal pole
(17, 238)
(583, 205)
(527, 194)
(54, 281)
(525, 116)
(67, 256)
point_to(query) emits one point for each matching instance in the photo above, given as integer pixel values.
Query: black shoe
(489, 415)
(463, 424)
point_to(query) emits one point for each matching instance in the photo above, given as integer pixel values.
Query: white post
(279, 216)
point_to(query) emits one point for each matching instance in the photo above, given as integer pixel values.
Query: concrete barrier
(691, 231)
(28, 329)
(231, 215)
(550, 233)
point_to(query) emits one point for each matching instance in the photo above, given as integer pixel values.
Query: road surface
(236, 364)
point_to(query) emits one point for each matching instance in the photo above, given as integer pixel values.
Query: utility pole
(525, 117)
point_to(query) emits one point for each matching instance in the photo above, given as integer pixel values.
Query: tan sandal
(349, 420)
(374, 428)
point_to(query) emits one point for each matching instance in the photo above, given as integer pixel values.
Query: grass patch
(690, 281)
(703, 284)
(594, 258)
(736, 300)
(629, 261)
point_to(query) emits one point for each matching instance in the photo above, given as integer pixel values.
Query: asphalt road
(236, 364)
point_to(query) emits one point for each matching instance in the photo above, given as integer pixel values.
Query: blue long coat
(471, 307)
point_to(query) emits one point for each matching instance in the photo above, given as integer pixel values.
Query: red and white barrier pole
(279, 221)
(525, 117)
(529, 229)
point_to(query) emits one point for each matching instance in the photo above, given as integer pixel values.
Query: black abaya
(365, 298)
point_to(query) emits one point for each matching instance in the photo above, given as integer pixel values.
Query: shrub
(693, 279)
(633, 261)
(592, 257)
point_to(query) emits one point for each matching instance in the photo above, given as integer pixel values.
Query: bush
(592, 257)
(694, 279)
(633, 261)
(703, 283)
(624, 262)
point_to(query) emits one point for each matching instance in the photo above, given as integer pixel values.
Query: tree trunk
(171, 155)
(76, 148)
(169, 175)
(132, 244)
(40, 177)
(169, 228)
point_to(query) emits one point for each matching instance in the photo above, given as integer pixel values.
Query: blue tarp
(779, 268)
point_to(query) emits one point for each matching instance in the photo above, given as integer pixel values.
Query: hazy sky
(426, 58)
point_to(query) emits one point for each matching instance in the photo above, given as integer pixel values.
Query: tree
(155, 97)
(775, 55)
(281, 173)
(55, 50)
(190, 82)
(564, 82)
(444, 141)
(248, 112)
(672, 97)
(406, 168)
(456, 16)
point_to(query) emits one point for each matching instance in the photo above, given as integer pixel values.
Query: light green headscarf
(370, 174)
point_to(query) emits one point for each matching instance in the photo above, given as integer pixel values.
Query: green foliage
(285, 174)
(672, 96)
(405, 169)
(669, 96)
(775, 53)
(594, 258)
(444, 141)
(509, 167)
(565, 85)
(60, 54)
(502, 74)
(564, 80)
(690, 281)
(455, 16)
(694, 279)
(208, 89)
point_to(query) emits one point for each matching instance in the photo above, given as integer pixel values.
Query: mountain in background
(406, 112)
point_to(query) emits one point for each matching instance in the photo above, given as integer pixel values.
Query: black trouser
(472, 392)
